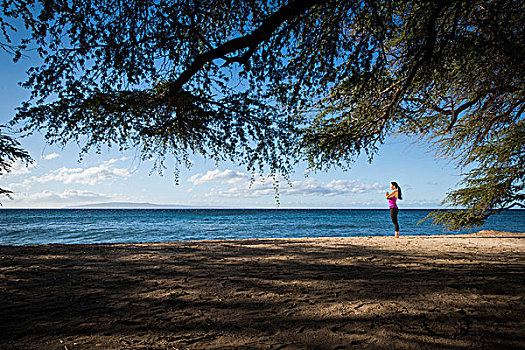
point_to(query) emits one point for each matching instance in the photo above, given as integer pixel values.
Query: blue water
(41, 226)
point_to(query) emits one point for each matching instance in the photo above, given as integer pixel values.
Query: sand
(437, 292)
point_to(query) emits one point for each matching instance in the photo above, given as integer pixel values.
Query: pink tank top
(392, 203)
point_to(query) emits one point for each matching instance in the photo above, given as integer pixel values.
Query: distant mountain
(129, 205)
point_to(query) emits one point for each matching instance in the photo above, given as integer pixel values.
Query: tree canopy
(268, 83)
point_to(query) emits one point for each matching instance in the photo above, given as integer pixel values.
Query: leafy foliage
(172, 76)
(10, 152)
(267, 83)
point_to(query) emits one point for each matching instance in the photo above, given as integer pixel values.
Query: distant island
(130, 205)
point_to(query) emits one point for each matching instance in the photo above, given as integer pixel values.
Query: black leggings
(393, 216)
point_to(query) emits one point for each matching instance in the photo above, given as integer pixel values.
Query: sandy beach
(436, 292)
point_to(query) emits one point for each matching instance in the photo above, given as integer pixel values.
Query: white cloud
(308, 187)
(68, 196)
(113, 161)
(243, 187)
(20, 168)
(24, 185)
(312, 187)
(244, 190)
(226, 176)
(436, 203)
(89, 176)
(46, 198)
(50, 156)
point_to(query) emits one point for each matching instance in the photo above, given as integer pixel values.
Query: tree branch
(240, 59)
(431, 106)
(430, 38)
(452, 112)
(455, 112)
(393, 85)
(259, 35)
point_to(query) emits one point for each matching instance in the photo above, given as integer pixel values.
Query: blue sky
(58, 179)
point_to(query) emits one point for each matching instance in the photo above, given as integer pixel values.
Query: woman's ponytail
(399, 195)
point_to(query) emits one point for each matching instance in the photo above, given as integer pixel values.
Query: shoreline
(439, 291)
(481, 233)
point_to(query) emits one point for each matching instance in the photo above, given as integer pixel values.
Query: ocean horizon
(81, 226)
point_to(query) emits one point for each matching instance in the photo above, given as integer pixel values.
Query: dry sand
(438, 292)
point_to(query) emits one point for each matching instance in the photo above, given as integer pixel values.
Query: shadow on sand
(260, 294)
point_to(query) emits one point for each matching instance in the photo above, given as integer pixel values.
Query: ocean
(43, 226)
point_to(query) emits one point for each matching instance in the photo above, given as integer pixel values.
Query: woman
(392, 198)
